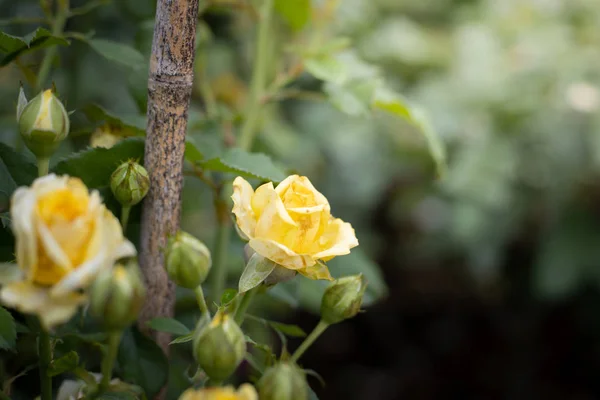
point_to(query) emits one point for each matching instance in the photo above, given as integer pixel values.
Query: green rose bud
(188, 260)
(117, 296)
(283, 381)
(343, 298)
(43, 123)
(129, 183)
(220, 346)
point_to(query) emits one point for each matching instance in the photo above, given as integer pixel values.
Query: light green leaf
(247, 165)
(119, 53)
(183, 339)
(295, 12)
(394, 104)
(326, 67)
(256, 271)
(9, 273)
(14, 46)
(95, 165)
(288, 329)
(135, 122)
(142, 362)
(354, 97)
(66, 363)
(169, 325)
(8, 331)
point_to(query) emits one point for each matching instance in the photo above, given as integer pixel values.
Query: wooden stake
(169, 91)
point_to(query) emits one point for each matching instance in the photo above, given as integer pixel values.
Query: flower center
(64, 212)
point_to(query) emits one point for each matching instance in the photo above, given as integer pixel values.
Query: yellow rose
(244, 392)
(64, 237)
(291, 225)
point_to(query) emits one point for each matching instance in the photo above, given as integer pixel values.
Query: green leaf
(311, 394)
(95, 165)
(256, 271)
(354, 97)
(228, 296)
(8, 330)
(247, 165)
(169, 325)
(288, 329)
(16, 170)
(66, 363)
(119, 53)
(326, 67)
(118, 396)
(394, 104)
(135, 122)
(142, 362)
(183, 339)
(14, 46)
(295, 12)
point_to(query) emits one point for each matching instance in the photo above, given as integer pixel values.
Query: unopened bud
(220, 347)
(188, 260)
(43, 123)
(283, 381)
(129, 183)
(343, 298)
(117, 296)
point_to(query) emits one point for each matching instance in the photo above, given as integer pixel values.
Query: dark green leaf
(14, 46)
(135, 122)
(295, 12)
(247, 165)
(95, 165)
(169, 325)
(8, 331)
(142, 362)
(256, 271)
(66, 363)
(119, 53)
(118, 396)
(15, 170)
(309, 293)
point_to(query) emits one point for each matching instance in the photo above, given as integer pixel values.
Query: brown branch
(169, 91)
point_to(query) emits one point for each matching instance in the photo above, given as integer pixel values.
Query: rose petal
(242, 208)
(32, 299)
(280, 254)
(338, 239)
(22, 209)
(274, 222)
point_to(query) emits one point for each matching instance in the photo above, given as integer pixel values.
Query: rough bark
(169, 90)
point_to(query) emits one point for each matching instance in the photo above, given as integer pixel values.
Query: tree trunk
(169, 91)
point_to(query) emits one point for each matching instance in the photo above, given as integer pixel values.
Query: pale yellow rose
(244, 392)
(291, 224)
(64, 237)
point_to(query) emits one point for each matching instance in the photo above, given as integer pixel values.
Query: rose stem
(319, 329)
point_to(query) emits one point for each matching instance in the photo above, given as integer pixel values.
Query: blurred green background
(491, 268)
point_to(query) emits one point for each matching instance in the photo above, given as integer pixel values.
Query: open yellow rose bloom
(244, 392)
(64, 237)
(291, 225)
